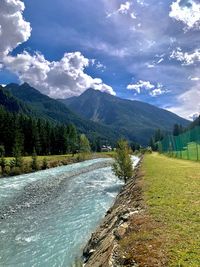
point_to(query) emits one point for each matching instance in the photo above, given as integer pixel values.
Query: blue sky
(139, 49)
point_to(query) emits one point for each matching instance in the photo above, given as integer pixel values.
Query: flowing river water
(47, 217)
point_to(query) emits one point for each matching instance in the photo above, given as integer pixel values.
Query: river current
(47, 217)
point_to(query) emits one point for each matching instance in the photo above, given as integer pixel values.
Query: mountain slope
(55, 111)
(11, 103)
(134, 119)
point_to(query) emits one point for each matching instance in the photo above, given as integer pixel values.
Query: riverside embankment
(103, 248)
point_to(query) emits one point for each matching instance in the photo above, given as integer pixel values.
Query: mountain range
(94, 113)
(26, 99)
(135, 120)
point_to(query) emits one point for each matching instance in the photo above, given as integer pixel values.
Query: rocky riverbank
(128, 235)
(102, 249)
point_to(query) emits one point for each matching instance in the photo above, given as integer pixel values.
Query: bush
(53, 163)
(34, 163)
(16, 171)
(7, 171)
(44, 164)
(2, 164)
(12, 163)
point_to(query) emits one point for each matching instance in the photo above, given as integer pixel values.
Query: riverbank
(47, 162)
(154, 221)
(103, 249)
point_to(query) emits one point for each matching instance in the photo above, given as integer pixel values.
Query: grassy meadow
(172, 194)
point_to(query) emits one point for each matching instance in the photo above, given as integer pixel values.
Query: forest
(25, 135)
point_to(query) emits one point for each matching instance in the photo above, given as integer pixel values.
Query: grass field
(172, 195)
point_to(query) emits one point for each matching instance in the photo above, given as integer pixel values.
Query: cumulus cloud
(143, 86)
(14, 30)
(58, 79)
(140, 85)
(185, 57)
(186, 11)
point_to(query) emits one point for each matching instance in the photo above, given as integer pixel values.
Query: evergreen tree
(72, 139)
(122, 166)
(18, 148)
(2, 151)
(84, 144)
(2, 159)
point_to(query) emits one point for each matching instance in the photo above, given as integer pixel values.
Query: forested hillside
(135, 120)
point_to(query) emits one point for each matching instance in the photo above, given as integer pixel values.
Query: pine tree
(2, 159)
(18, 148)
(84, 144)
(122, 166)
(176, 130)
(72, 139)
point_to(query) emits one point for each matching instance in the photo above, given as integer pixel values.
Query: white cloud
(58, 79)
(100, 66)
(186, 58)
(124, 9)
(140, 85)
(194, 78)
(188, 12)
(157, 92)
(14, 30)
(150, 65)
(147, 86)
(187, 103)
(62, 78)
(194, 116)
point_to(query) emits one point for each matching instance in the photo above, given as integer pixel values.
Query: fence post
(197, 151)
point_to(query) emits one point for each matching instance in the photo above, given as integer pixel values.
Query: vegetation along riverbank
(155, 219)
(46, 162)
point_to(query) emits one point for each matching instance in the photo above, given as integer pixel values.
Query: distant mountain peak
(133, 119)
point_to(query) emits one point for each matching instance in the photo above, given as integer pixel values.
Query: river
(46, 217)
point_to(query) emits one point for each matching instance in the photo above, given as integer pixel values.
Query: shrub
(34, 163)
(2, 164)
(44, 164)
(16, 171)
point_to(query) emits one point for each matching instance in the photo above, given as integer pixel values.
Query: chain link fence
(183, 146)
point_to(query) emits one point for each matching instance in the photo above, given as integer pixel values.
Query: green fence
(184, 146)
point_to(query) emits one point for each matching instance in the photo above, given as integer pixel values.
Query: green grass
(28, 159)
(172, 194)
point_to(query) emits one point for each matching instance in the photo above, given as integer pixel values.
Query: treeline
(159, 135)
(24, 135)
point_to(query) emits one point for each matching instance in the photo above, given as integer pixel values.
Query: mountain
(11, 103)
(32, 101)
(134, 119)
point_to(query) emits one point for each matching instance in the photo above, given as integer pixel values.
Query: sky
(147, 50)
